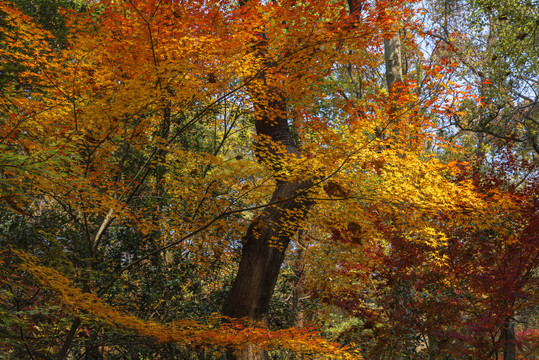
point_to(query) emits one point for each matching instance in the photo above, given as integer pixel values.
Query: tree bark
(264, 246)
(394, 71)
(509, 341)
(269, 234)
(392, 54)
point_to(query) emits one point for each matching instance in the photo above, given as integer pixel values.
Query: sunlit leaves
(140, 134)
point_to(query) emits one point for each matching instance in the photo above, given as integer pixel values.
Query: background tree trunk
(392, 54)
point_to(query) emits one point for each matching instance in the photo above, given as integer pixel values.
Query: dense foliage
(269, 179)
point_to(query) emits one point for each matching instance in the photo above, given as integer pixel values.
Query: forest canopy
(284, 179)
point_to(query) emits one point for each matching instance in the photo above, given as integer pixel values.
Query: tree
(493, 46)
(137, 134)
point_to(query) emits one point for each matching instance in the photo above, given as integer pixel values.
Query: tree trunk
(509, 341)
(392, 54)
(269, 234)
(394, 74)
(263, 251)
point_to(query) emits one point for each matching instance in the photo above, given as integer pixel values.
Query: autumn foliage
(141, 160)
